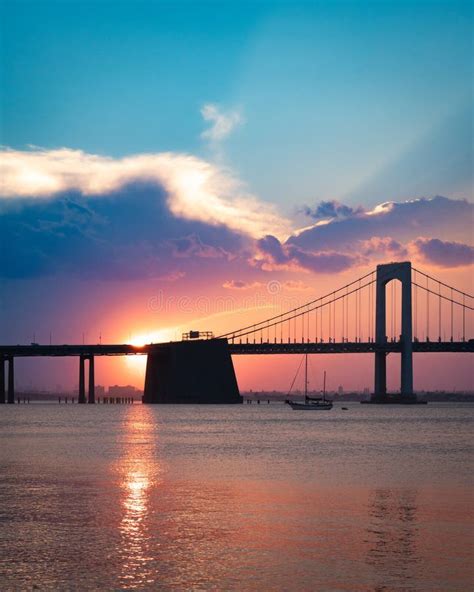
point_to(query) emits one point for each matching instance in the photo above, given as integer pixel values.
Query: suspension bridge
(394, 309)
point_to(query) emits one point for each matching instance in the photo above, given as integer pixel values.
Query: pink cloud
(434, 251)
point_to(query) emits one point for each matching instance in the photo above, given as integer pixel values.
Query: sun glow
(160, 336)
(138, 363)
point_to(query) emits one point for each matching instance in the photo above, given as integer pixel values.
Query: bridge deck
(238, 348)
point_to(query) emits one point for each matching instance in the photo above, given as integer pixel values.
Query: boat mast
(306, 376)
(324, 386)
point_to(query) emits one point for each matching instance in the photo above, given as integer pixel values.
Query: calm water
(236, 498)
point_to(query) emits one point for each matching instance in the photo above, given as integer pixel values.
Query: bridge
(434, 318)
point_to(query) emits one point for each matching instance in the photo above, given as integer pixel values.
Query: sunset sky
(190, 165)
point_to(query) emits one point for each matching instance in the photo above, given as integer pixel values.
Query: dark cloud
(323, 261)
(353, 237)
(330, 209)
(271, 246)
(444, 253)
(275, 255)
(128, 234)
(192, 246)
(379, 247)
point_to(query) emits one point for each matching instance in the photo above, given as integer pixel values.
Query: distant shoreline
(431, 396)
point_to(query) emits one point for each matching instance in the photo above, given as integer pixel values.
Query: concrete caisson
(194, 371)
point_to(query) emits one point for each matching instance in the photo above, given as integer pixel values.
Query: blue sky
(334, 96)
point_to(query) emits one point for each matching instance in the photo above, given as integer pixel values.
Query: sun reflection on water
(138, 473)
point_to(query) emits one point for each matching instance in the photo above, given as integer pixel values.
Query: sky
(168, 166)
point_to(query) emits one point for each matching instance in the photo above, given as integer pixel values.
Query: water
(236, 498)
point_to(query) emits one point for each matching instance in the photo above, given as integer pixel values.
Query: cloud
(443, 253)
(169, 216)
(405, 221)
(240, 285)
(295, 285)
(330, 209)
(195, 189)
(275, 255)
(192, 246)
(381, 247)
(222, 124)
(127, 234)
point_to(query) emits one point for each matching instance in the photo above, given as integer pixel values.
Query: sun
(138, 363)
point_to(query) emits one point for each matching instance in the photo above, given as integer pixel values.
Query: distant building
(123, 391)
(100, 391)
(340, 390)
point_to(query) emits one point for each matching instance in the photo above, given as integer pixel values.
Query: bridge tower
(385, 274)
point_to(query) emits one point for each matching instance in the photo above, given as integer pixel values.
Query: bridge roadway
(23, 351)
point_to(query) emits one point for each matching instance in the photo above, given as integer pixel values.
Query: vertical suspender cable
(427, 310)
(452, 315)
(463, 317)
(357, 315)
(391, 308)
(415, 308)
(321, 320)
(395, 326)
(359, 330)
(307, 325)
(369, 308)
(347, 314)
(439, 311)
(329, 322)
(316, 325)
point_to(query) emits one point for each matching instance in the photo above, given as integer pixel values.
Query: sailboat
(311, 403)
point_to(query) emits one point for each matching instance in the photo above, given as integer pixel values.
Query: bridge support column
(380, 386)
(2, 381)
(406, 378)
(82, 391)
(386, 274)
(11, 380)
(199, 371)
(91, 397)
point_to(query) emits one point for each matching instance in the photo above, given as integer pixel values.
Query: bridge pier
(380, 386)
(82, 392)
(2, 381)
(11, 381)
(91, 397)
(198, 371)
(82, 380)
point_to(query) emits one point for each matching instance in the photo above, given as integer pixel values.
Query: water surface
(236, 498)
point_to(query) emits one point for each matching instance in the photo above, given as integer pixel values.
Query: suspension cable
(454, 301)
(329, 301)
(255, 326)
(442, 283)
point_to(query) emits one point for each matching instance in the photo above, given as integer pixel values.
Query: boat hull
(309, 407)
